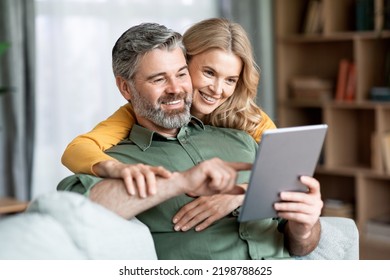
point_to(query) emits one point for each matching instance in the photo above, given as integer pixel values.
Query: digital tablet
(283, 155)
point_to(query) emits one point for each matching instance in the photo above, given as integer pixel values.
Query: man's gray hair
(139, 40)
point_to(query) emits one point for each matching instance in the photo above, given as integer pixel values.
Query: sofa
(67, 226)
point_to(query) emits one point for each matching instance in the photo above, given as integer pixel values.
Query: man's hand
(302, 210)
(212, 177)
(138, 178)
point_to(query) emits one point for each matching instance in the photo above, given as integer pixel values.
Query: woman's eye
(232, 81)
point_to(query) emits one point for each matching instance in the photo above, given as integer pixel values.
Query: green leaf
(3, 47)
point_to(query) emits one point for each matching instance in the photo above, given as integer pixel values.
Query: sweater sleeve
(88, 149)
(266, 123)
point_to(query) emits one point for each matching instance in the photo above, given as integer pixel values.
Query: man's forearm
(302, 247)
(112, 194)
(207, 178)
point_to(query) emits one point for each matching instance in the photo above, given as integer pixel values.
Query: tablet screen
(284, 155)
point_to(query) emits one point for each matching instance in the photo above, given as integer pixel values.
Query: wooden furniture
(351, 168)
(11, 205)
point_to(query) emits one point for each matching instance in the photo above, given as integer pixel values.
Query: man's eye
(208, 73)
(158, 81)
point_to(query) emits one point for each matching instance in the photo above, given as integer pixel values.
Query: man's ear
(123, 87)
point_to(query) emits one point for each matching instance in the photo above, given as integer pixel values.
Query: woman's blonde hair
(239, 111)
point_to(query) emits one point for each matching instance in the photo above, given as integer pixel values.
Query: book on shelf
(337, 208)
(311, 88)
(350, 88)
(365, 16)
(386, 19)
(378, 228)
(379, 14)
(342, 78)
(313, 20)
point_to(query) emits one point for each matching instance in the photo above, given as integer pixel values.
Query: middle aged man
(151, 72)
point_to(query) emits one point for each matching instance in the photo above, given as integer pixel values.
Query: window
(75, 85)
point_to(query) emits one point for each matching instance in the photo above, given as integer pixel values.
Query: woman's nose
(217, 87)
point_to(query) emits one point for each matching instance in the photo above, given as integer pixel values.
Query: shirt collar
(143, 137)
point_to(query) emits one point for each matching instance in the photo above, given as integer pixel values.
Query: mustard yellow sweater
(88, 149)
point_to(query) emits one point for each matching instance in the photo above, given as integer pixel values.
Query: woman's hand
(138, 178)
(205, 210)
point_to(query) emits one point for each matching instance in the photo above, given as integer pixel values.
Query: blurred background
(321, 61)
(58, 76)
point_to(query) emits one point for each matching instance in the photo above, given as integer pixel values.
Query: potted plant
(3, 47)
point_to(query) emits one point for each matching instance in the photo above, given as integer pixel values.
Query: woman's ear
(123, 87)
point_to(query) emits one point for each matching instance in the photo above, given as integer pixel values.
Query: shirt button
(243, 235)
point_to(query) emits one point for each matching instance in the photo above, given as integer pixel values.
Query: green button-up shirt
(226, 238)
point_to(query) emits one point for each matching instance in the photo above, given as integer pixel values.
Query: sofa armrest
(64, 225)
(339, 240)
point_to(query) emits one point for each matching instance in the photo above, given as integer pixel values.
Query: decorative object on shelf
(307, 88)
(337, 208)
(380, 94)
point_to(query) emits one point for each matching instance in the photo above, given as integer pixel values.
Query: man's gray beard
(169, 120)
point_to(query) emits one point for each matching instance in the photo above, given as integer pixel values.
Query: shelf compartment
(383, 118)
(348, 140)
(339, 16)
(310, 59)
(290, 16)
(371, 54)
(295, 116)
(373, 198)
(374, 249)
(336, 186)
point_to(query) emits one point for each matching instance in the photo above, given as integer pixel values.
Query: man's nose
(174, 86)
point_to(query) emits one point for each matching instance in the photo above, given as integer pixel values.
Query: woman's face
(214, 74)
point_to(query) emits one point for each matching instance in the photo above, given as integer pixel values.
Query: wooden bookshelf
(352, 167)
